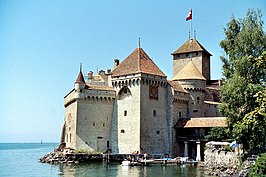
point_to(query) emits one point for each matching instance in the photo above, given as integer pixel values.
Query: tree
(252, 129)
(217, 134)
(259, 169)
(244, 73)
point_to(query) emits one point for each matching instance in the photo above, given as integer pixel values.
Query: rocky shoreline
(217, 164)
(61, 158)
(221, 163)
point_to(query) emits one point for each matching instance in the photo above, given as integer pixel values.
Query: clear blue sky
(43, 42)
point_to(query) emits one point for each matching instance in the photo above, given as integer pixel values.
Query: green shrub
(259, 169)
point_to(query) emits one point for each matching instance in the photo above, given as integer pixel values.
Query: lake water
(22, 160)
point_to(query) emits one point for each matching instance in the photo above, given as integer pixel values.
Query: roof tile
(80, 78)
(137, 62)
(189, 72)
(202, 122)
(192, 45)
(176, 86)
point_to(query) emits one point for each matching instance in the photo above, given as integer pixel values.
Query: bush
(259, 169)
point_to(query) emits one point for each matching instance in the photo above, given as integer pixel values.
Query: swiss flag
(189, 16)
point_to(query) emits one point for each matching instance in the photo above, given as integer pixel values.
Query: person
(145, 156)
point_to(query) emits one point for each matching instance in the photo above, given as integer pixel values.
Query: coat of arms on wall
(153, 92)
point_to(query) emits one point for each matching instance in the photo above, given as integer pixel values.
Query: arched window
(124, 93)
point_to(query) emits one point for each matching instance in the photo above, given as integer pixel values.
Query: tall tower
(192, 50)
(141, 89)
(71, 102)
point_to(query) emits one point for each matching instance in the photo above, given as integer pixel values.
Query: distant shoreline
(29, 143)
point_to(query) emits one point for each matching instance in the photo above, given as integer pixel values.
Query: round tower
(194, 82)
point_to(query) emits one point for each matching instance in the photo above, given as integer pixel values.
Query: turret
(79, 85)
(194, 82)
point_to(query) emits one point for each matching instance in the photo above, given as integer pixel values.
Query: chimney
(101, 72)
(90, 75)
(116, 63)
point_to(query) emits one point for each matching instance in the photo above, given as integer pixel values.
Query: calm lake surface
(22, 159)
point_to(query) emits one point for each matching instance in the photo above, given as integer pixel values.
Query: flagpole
(189, 17)
(191, 28)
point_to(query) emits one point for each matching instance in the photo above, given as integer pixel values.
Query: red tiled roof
(176, 86)
(202, 122)
(99, 87)
(192, 45)
(137, 62)
(80, 78)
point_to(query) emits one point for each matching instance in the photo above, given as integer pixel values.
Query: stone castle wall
(94, 124)
(211, 110)
(154, 117)
(128, 115)
(70, 121)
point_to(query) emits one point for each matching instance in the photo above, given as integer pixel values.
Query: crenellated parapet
(137, 80)
(193, 84)
(90, 93)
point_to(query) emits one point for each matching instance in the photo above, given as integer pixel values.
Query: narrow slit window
(154, 113)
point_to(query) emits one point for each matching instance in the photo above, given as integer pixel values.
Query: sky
(42, 44)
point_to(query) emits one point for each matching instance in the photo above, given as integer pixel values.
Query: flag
(189, 16)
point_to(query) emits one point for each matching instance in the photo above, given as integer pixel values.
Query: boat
(130, 163)
(187, 160)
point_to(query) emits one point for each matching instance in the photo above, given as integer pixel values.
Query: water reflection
(116, 170)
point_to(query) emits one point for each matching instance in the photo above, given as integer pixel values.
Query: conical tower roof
(189, 72)
(137, 62)
(80, 79)
(192, 45)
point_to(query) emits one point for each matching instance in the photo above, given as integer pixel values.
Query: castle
(135, 109)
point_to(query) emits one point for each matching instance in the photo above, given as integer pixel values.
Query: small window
(103, 124)
(108, 144)
(197, 98)
(154, 113)
(125, 113)
(180, 114)
(158, 132)
(70, 137)
(122, 131)
(93, 123)
(195, 110)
